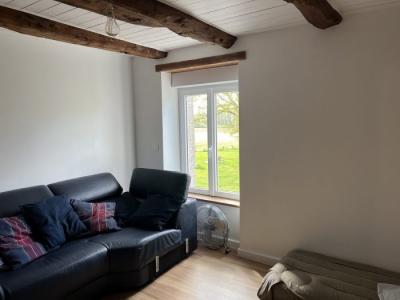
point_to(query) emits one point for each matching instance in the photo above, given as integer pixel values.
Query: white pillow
(388, 291)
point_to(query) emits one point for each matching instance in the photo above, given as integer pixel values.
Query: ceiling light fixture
(112, 27)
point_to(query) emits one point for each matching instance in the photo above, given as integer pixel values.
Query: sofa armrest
(186, 221)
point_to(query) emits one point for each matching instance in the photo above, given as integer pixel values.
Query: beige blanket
(315, 277)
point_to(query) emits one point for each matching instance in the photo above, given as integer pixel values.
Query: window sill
(215, 200)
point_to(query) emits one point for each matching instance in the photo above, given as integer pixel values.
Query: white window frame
(210, 90)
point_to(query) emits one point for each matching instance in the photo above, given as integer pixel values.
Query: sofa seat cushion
(58, 273)
(132, 248)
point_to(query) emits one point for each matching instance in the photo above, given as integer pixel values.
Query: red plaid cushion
(16, 244)
(98, 217)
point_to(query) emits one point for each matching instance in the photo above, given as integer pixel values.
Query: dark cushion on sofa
(58, 273)
(88, 188)
(147, 182)
(155, 212)
(125, 206)
(132, 248)
(11, 201)
(53, 221)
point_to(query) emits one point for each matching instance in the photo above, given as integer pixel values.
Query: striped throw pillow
(98, 217)
(16, 244)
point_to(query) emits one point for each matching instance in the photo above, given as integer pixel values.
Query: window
(210, 139)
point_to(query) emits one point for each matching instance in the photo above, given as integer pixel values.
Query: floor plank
(206, 275)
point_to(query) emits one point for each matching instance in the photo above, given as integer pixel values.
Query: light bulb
(112, 27)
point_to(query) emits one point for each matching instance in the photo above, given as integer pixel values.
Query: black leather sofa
(89, 267)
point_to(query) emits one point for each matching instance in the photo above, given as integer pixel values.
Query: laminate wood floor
(206, 275)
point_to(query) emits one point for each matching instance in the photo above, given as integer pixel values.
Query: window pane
(227, 107)
(197, 140)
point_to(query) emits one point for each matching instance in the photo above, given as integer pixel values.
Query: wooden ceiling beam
(318, 12)
(202, 63)
(157, 14)
(33, 25)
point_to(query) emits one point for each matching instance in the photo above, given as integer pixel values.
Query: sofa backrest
(88, 188)
(146, 182)
(11, 201)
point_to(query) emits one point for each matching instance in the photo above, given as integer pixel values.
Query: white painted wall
(65, 111)
(320, 138)
(170, 121)
(207, 76)
(148, 114)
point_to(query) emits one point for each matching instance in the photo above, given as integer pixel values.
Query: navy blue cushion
(125, 206)
(155, 212)
(53, 221)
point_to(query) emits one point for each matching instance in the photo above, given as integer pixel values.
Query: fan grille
(213, 227)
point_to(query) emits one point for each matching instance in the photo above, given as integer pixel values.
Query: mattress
(307, 275)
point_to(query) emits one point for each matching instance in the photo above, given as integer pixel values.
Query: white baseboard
(258, 257)
(233, 244)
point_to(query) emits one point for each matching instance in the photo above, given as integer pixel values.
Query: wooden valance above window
(202, 63)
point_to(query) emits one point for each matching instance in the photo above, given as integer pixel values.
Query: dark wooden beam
(318, 12)
(157, 14)
(33, 25)
(202, 63)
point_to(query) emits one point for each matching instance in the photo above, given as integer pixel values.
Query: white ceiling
(237, 17)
